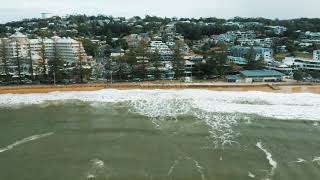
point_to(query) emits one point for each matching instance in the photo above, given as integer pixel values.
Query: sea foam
(169, 103)
(272, 162)
(220, 111)
(25, 140)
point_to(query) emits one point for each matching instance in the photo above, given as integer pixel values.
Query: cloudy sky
(282, 9)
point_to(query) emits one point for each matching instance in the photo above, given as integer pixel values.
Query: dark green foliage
(18, 62)
(155, 59)
(177, 63)
(216, 65)
(195, 31)
(252, 62)
(56, 67)
(4, 59)
(298, 75)
(90, 47)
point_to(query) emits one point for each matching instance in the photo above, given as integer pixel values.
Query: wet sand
(277, 88)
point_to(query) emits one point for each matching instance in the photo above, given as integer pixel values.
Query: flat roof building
(264, 75)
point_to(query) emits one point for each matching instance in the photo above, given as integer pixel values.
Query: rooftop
(261, 73)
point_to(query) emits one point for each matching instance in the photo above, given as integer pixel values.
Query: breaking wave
(220, 111)
(25, 140)
(171, 103)
(272, 162)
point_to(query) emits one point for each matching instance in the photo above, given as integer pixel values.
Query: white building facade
(30, 53)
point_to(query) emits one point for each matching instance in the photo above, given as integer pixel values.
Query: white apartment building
(159, 46)
(316, 55)
(265, 53)
(245, 34)
(29, 50)
(301, 63)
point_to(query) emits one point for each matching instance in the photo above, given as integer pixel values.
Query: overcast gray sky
(282, 9)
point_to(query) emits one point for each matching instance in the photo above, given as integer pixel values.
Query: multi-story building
(266, 42)
(301, 63)
(245, 34)
(30, 52)
(165, 52)
(316, 55)
(265, 53)
(277, 29)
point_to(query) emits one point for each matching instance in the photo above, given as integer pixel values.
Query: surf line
(24, 141)
(272, 162)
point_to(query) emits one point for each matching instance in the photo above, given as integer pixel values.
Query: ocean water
(159, 134)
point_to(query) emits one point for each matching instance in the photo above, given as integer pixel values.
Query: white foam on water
(316, 159)
(200, 169)
(90, 176)
(25, 140)
(300, 160)
(251, 175)
(97, 163)
(97, 169)
(221, 132)
(272, 162)
(173, 166)
(175, 102)
(219, 110)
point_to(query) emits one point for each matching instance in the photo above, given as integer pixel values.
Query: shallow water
(159, 134)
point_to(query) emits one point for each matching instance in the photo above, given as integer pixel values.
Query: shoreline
(264, 87)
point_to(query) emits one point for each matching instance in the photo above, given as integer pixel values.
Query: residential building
(301, 63)
(245, 34)
(225, 38)
(277, 29)
(265, 53)
(316, 55)
(134, 40)
(163, 49)
(28, 51)
(237, 60)
(117, 52)
(312, 35)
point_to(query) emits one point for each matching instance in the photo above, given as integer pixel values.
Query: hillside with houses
(81, 49)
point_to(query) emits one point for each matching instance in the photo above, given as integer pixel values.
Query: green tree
(178, 63)
(142, 52)
(211, 66)
(43, 62)
(18, 61)
(79, 67)
(221, 67)
(56, 66)
(30, 62)
(155, 59)
(4, 58)
(131, 58)
(252, 62)
(298, 75)
(90, 47)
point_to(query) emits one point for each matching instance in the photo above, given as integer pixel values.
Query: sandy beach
(278, 87)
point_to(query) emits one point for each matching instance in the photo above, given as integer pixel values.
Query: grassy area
(280, 56)
(304, 55)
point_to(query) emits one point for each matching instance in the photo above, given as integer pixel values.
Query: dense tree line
(193, 31)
